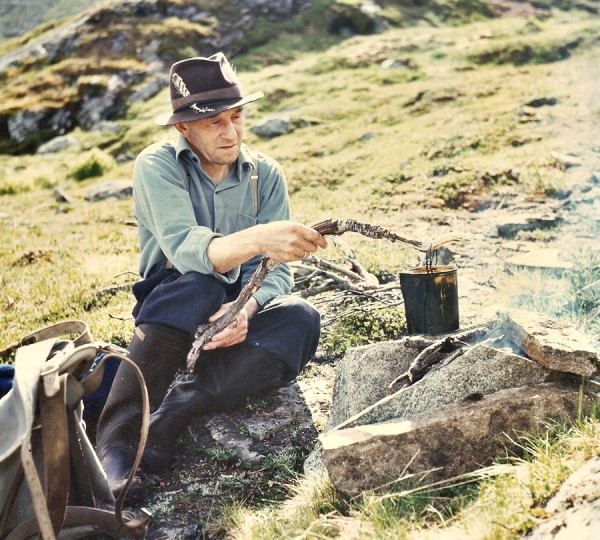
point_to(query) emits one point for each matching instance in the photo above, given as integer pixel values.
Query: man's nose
(229, 130)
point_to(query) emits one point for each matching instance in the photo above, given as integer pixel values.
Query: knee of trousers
(299, 311)
(289, 327)
(184, 303)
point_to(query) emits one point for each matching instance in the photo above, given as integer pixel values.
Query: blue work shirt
(179, 216)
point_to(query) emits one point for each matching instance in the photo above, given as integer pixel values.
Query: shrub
(361, 327)
(90, 168)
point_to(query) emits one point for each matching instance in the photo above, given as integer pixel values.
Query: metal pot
(430, 299)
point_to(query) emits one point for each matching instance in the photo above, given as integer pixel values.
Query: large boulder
(480, 371)
(446, 442)
(363, 375)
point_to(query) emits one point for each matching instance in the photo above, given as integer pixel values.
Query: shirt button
(218, 230)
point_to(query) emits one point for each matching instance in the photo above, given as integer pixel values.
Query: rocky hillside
(93, 66)
(18, 17)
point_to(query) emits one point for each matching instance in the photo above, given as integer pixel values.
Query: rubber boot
(159, 351)
(224, 378)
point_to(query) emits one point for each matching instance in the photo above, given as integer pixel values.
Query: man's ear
(182, 128)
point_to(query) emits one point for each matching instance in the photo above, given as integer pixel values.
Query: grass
(566, 295)
(443, 129)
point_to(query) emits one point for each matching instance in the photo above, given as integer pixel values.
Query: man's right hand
(286, 241)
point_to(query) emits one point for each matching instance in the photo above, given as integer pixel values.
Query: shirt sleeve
(165, 214)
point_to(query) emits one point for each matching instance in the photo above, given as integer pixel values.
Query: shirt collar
(182, 147)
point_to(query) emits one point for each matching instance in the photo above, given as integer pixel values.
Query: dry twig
(436, 352)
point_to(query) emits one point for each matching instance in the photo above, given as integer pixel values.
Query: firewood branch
(335, 227)
(437, 351)
(205, 332)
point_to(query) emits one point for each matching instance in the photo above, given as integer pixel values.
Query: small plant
(255, 404)
(455, 190)
(221, 455)
(11, 188)
(92, 167)
(360, 327)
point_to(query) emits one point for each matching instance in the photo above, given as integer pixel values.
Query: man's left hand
(237, 330)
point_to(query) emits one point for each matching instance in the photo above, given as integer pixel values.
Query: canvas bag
(52, 484)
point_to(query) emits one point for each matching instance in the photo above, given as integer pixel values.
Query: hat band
(232, 92)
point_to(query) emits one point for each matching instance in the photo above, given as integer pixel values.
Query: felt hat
(203, 87)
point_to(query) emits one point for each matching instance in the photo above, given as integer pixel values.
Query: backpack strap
(55, 442)
(78, 328)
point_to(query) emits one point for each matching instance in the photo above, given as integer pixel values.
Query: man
(208, 210)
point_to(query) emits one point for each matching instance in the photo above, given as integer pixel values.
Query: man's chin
(229, 154)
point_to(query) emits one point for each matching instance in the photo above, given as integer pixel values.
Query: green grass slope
(18, 18)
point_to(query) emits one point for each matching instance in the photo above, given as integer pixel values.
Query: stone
(61, 196)
(24, 124)
(363, 376)
(395, 63)
(575, 509)
(313, 464)
(115, 189)
(292, 407)
(148, 89)
(447, 442)
(361, 19)
(480, 371)
(108, 127)
(58, 144)
(509, 226)
(553, 344)
(542, 102)
(224, 431)
(272, 127)
(103, 98)
(367, 137)
(566, 161)
(540, 259)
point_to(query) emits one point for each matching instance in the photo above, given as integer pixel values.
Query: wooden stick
(206, 332)
(429, 356)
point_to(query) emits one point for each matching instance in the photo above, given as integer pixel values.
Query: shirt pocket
(244, 222)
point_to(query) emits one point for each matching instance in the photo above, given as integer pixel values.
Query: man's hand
(237, 331)
(286, 241)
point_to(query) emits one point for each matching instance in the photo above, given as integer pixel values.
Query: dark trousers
(287, 326)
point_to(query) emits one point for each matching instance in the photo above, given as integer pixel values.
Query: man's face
(216, 140)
